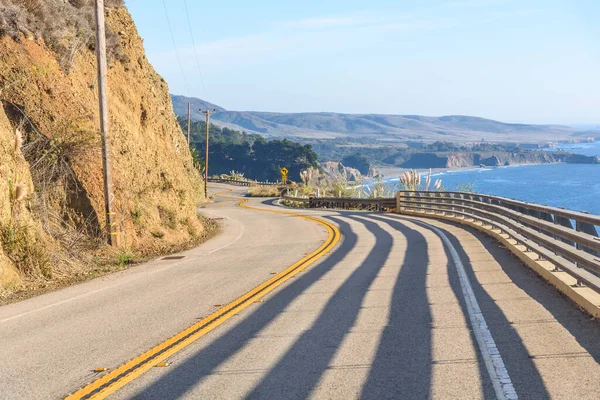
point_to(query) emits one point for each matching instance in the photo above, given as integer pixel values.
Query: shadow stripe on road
(188, 374)
(132, 369)
(487, 346)
(527, 381)
(297, 372)
(309, 357)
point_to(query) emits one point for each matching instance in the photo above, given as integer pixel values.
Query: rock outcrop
(335, 170)
(465, 159)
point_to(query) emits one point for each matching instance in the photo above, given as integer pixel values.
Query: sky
(530, 61)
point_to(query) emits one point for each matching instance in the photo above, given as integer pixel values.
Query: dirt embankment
(51, 187)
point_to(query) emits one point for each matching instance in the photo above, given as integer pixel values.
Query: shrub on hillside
(12, 20)
(265, 191)
(66, 27)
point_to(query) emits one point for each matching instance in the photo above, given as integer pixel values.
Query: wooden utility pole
(111, 225)
(208, 114)
(189, 121)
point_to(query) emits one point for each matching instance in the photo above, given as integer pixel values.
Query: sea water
(572, 186)
(588, 149)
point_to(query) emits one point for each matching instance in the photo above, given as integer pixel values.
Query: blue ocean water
(572, 186)
(588, 149)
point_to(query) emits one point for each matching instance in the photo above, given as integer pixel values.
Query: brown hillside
(155, 184)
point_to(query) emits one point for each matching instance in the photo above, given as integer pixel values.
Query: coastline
(392, 172)
(585, 149)
(572, 186)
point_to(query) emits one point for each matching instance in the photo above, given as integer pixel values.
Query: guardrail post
(566, 222)
(546, 216)
(462, 197)
(590, 230)
(455, 204)
(444, 201)
(578, 247)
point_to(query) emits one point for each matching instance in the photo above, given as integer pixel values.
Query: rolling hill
(385, 127)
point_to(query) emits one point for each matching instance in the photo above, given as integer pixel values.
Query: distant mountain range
(386, 127)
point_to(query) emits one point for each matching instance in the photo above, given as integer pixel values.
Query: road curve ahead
(400, 308)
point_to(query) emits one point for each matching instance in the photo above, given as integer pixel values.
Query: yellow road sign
(284, 171)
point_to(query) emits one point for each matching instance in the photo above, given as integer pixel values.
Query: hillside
(385, 127)
(181, 103)
(250, 155)
(51, 188)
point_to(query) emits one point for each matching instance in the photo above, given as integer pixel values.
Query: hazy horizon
(530, 61)
(575, 125)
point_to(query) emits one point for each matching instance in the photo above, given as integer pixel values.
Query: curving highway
(295, 304)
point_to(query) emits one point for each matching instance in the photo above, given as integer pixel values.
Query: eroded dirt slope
(57, 169)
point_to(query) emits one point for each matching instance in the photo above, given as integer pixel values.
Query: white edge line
(242, 231)
(67, 300)
(489, 351)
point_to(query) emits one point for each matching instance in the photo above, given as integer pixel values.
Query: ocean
(572, 186)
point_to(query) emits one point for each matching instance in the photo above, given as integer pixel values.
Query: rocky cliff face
(334, 169)
(462, 160)
(51, 185)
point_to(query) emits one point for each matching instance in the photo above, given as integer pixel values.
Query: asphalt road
(402, 308)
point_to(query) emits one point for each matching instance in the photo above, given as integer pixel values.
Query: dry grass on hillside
(108, 261)
(265, 191)
(54, 233)
(66, 27)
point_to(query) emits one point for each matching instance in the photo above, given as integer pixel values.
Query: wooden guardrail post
(578, 247)
(590, 230)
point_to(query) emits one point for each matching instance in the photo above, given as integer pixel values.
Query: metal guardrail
(381, 204)
(567, 239)
(242, 183)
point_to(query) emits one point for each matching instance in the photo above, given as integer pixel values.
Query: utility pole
(189, 121)
(111, 225)
(208, 113)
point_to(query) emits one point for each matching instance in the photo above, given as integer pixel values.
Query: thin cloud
(477, 3)
(329, 32)
(325, 23)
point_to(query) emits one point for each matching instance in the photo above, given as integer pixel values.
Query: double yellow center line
(119, 377)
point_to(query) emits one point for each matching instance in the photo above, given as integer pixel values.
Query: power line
(176, 51)
(187, 12)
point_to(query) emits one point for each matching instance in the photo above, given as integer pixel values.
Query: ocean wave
(458, 171)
